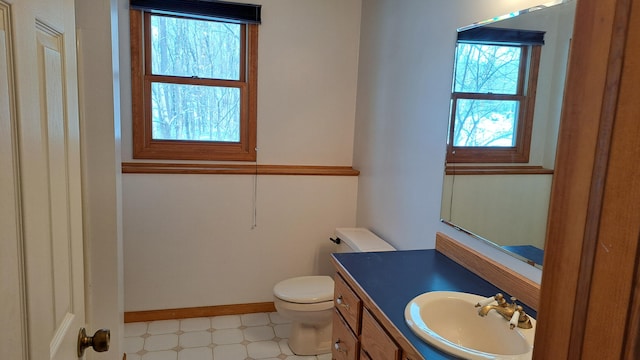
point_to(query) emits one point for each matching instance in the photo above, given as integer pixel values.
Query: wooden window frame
(526, 94)
(144, 147)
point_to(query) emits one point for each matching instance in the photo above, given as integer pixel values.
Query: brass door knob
(99, 341)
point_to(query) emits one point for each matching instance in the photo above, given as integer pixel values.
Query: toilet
(308, 300)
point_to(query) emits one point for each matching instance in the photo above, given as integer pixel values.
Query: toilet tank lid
(305, 289)
(362, 239)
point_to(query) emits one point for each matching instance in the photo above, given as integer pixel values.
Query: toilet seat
(305, 289)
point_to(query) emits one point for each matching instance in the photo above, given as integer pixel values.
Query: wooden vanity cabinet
(375, 341)
(357, 333)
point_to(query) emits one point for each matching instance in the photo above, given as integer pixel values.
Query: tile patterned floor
(235, 337)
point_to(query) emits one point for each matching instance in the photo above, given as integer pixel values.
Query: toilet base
(308, 339)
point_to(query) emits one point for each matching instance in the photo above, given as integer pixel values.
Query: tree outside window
(196, 49)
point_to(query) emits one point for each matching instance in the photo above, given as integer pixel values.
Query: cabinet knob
(341, 302)
(339, 348)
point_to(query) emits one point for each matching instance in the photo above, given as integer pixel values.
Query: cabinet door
(345, 343)
(364, 356)
(375, 341)
(348, 303)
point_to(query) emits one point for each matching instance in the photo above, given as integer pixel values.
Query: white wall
(188, 239)
(404, 85)
(307, 69)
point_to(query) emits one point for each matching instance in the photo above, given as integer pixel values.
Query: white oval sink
(449, 321)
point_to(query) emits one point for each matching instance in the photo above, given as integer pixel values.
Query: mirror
(505, 204)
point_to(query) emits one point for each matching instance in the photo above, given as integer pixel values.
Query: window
(193, 84)
(493, 96)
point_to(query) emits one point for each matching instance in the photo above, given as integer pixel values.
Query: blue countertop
(392, 279)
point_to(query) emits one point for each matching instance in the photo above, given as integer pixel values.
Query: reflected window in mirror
(506, 204)
(493, 95)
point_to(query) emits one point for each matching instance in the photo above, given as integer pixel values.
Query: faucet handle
(514, 303)
(521, 320)
(486, 301)
(498, 297)
(514, 319)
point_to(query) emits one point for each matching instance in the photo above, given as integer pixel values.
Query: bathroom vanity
(372, 290)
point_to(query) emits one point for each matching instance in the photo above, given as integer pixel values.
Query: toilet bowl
(308, 300)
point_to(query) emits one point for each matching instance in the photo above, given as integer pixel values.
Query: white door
(40, 182)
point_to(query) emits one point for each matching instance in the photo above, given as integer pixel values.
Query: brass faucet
(507, 311)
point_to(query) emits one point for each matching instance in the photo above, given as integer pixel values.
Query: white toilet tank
(360, 240)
